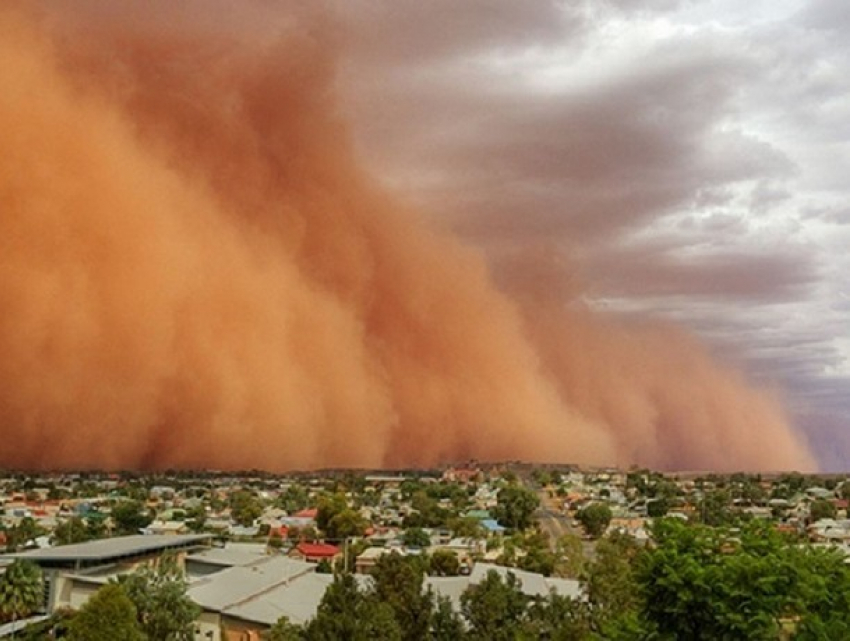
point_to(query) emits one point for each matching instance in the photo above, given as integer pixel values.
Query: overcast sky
(687, 160)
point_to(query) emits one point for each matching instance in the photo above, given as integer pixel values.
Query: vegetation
(130, 517)
(158, 594)
(822, 509)
(108, 615)
(705, 583)
(516, 506)
(443, 563)
(21, 591)
(595, 519)
(347, 613)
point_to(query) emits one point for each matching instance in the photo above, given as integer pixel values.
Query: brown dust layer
(194, 272)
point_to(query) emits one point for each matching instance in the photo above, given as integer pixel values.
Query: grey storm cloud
(700, 176)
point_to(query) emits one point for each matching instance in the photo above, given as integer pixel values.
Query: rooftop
(105, 550)
(238, 584)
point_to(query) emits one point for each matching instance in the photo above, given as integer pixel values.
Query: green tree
(595, 518)
(107, 616)
(345, 524)
(538, 555)
(613, 593)
(558, 618)
(821, 509)
(74, 530)
(130, 517)
(446, 624)
(416, 537)
(398, 582)
(21, 590)
(494, 608)
(707, 583)
(196, 518)
(656, 508)
(165, 612)
(428, 512)
(283, 630)
(444, 563)
(515, 506)
(54, 626)
(715, 508)
(466, 527)
(569, 556)
(245, 507)
(96, 525)
(293, 499)
(329, 506)
(346, 613)
(23, 534)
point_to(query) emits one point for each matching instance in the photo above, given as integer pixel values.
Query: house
(830, 531)
(315, 552)
(243, 600)
(171, 528)
(458, 475)
(368, 558)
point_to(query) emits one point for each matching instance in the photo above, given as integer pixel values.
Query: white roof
(235, 585)
(531, 584)
(105, 549)
(448, 586)
(297, 600)
(230, 555)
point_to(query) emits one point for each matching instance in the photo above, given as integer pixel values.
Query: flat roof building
(73, 572)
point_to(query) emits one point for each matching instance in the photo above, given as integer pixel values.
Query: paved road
(556, 523)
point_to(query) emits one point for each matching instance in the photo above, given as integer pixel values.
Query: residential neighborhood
(254, 548)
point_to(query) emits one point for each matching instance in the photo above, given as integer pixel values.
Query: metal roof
(109, 549)
(237, 584)
(230, 555)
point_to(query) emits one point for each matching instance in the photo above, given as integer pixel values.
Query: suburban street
(554, 522)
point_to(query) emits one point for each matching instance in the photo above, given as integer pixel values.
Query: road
(556, 523)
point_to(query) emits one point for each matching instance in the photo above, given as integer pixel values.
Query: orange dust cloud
(195, 272)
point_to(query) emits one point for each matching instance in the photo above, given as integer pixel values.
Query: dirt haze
(196, 272)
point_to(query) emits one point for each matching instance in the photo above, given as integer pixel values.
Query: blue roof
(492, 525)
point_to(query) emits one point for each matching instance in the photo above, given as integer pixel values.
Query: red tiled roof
(309, 513)
(318, 550)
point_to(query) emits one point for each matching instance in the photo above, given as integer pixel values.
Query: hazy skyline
(277, 234)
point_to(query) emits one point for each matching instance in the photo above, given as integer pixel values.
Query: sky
(688, 160)
(293, 235)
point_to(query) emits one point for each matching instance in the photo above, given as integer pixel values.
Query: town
(479, 551)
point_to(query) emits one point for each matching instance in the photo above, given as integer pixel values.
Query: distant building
(315, 552)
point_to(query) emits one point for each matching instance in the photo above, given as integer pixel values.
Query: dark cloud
(727, 276)
(826, 15)
(688, 181)
(411, 33)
